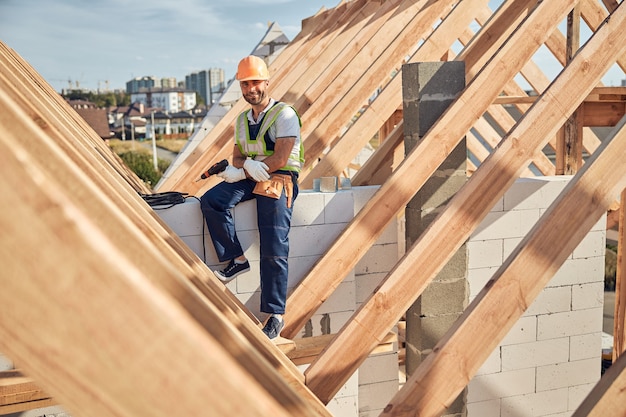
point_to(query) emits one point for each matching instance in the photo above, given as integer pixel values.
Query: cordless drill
(215, 169)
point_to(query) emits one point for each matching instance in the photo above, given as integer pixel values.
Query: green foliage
(142, 165)
(610, 269)
(101, 100)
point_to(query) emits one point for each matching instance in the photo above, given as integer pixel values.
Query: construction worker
(267, 158)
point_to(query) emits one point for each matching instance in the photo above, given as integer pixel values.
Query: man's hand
(232, 174)
(257, 170)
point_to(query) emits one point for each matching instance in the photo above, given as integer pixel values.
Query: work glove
(257, 170)
(232, 174)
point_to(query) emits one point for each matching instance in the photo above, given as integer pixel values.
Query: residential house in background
(169, 99)
(95, 117)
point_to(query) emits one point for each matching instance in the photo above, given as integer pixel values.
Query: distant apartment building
(171, 100)
(168, 82)
(139, 83)
(208, 83)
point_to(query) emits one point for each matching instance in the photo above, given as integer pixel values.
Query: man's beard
(250, 98)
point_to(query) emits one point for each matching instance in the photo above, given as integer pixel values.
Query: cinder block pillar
(428, 89)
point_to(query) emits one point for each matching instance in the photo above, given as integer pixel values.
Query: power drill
(215, 169)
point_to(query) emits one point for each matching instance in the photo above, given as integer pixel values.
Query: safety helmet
(252, 68)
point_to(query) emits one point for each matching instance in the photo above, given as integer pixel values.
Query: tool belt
(274, 187)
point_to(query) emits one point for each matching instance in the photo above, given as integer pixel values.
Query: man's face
(254, 91)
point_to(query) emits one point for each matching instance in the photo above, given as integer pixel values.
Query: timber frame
(87, 260)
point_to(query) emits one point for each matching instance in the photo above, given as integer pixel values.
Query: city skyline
(107, 44)
(110, 43)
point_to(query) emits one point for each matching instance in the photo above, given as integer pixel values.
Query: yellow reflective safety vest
(261, 143)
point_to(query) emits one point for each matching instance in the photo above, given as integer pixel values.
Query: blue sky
(94, 41)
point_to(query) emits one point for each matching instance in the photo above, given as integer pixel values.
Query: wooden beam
(388, 100)
(569, 149)
(472, 203)
(619, 317)
(602, 113)
(144, 226)
(419, 165)
(486, 321)
(19, 393)
(218, 143)
(371, 68)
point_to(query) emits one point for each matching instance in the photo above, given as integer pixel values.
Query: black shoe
(273, 327)
(232, 270)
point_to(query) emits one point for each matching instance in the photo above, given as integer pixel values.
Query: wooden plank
(172, 249)
(387, 102)
(598, 113)
(304, 351)
(383, 161)
(370, 69)
(26, 406)
(128, 322)
(170, 245)
(472, 203)
(569, 149)
(419, 165)
(218, 143)
(619, 317)
(486, 321)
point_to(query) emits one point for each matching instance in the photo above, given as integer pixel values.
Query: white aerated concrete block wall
(550, 359)
(317, 221)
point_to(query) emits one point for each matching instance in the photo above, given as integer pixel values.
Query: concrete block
(378, 368)
(585, 346)
(550, 326)
(509, 245)
(577, 394)
(342, 299)
(551, 300)
(313, 240)
(579, 271)
(593, 244)
(442, 297)
(501, 385)
(568, 374)
(536, 404)
(585, 296)
(344, 406)
(489, 408)
(376, 396)
(308, 209)
(329, 184)
(477, 278)
(366, 284)
(339, 207)
(533, 193)
(530, 355)
(523, 331)
(184, 219)
(299, 267)
(507, 224)
(362, 195)
(484, 253)
(380, 258)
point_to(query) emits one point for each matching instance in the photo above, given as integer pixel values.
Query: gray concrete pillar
(428, 88)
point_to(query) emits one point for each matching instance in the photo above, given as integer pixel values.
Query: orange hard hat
(252, 68)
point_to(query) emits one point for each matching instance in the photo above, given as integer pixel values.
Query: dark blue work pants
(274, 222)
